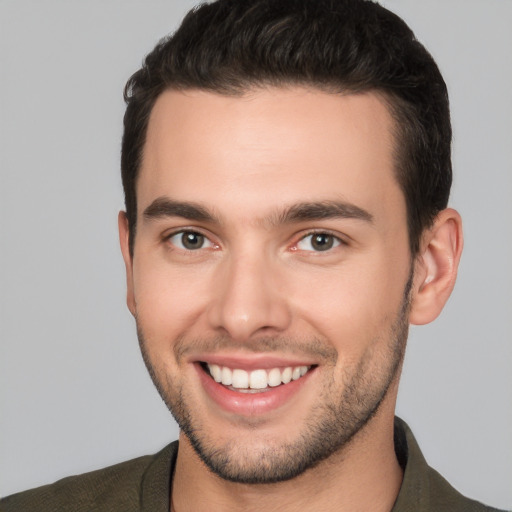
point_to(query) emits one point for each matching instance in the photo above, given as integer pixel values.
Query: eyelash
(336, 241)
(183, 232)
(332, 243)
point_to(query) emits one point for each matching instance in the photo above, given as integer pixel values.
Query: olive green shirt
(144, 484)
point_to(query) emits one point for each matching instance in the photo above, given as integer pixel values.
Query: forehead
(267, 147)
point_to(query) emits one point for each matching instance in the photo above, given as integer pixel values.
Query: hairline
(392, 102)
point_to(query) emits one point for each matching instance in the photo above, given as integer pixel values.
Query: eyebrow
(163, 207)
(323, 210)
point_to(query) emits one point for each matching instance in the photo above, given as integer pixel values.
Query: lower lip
(250, 404)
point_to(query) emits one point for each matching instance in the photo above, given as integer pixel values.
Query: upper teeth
(256, 379)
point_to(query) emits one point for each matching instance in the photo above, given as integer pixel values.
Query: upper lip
(251, 361)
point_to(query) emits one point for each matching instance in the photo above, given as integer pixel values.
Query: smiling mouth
(254, 381)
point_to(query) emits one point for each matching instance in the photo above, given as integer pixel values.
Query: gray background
(74, 393)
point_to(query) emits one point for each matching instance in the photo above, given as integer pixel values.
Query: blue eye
(318, 242)
(190, 240)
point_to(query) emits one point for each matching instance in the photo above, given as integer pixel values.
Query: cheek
(168, 300)
(353, 305)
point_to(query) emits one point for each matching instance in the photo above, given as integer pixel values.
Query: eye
(318, 242)
(190, 241)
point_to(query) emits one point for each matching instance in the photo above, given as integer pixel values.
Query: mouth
(255, 385)
(257, 380)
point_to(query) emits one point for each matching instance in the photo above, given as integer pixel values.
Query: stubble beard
(331, 425)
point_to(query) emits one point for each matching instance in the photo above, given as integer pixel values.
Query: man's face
(271, 241)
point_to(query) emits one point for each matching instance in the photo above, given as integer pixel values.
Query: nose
(249, 299)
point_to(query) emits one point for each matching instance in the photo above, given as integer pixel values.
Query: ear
(124, 240)
(436, 267)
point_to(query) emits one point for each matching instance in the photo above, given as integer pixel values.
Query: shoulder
(118, 487)
(423, 488)
(445, 498)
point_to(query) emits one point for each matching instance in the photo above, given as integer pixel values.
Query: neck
(365, 475)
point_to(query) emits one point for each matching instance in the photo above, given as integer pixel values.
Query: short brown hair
(231, 46)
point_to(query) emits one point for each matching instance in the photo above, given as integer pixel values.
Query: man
(286, 168)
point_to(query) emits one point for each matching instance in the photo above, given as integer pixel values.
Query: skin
(257, 288)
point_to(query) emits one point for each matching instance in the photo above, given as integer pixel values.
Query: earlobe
(436, 267)
(124, 240)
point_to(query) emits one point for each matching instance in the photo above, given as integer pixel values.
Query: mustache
(314, 348)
